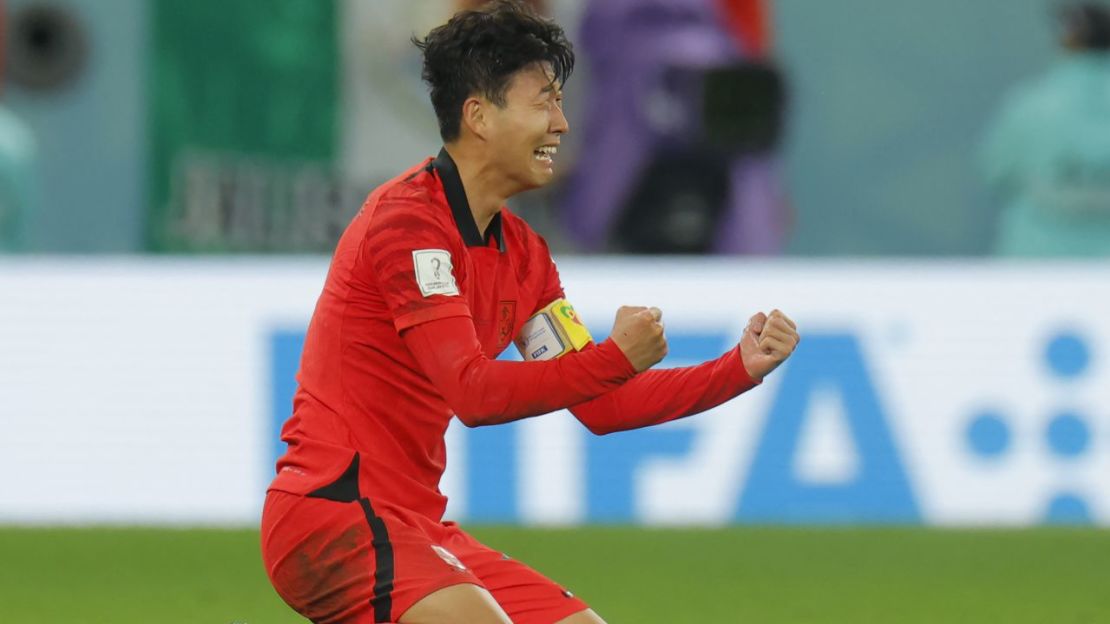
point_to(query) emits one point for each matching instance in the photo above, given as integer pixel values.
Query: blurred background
(924, 187)
(807, 128)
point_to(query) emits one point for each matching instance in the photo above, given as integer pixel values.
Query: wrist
(613, 353)
(752, 379)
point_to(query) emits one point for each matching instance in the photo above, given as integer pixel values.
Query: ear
(474, 116)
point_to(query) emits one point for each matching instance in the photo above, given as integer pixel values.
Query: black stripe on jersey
(444, 165)
(345, 490)
(342, 490)
(383, 564)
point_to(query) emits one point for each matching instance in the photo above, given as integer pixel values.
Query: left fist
(767, 342)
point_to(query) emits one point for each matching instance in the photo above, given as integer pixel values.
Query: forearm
(659, 396)
(482, 391)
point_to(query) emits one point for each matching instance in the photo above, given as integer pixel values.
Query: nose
(558, 123)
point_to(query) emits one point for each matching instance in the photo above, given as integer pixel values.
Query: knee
(457, 604)
(582, 617)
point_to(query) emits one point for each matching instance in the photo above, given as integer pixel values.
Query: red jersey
(412, 255)
(415, 309)
(416, 305)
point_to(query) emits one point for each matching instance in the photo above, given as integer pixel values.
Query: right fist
(638, 331)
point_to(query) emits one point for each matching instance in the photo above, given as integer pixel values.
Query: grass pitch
(762, 575)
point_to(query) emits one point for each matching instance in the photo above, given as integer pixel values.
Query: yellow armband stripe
(552, 332)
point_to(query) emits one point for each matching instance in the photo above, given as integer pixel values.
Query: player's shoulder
(413, 186)
(408, 202)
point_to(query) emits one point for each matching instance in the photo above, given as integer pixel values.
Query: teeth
(547, 151)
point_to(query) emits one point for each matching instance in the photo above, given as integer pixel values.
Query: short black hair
(1085, 24)
(477, 52)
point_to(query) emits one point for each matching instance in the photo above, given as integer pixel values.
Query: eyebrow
(552, 87)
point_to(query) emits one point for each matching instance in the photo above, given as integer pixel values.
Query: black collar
(460, 207)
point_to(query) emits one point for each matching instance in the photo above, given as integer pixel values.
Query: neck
(486, 189)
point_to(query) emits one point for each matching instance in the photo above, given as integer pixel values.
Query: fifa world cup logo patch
(434, 272)
(450, 558)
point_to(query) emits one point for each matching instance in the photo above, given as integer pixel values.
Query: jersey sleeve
(553, 286)
(662, 395)
(482, 391)
(415, 262)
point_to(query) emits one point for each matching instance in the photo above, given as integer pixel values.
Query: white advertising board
(151, 391)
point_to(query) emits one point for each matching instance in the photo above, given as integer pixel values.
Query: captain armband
(552, 332)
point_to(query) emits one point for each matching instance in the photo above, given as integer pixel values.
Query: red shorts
(361, 562)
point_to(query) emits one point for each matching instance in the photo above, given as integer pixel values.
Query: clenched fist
(767, 342)
(638, 331)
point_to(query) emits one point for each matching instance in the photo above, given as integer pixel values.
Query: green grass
(759, 575)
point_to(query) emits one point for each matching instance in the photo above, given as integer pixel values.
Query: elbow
(474, 415)
(596, 426)
(599, 430)
(473, 421)
(470, 400)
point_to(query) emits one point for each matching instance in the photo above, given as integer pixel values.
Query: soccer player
(430, 282)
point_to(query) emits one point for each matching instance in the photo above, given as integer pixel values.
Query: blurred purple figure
(641, 103)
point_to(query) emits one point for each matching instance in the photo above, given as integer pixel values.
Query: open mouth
(545, 154)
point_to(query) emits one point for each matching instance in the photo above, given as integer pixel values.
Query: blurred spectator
(17, 171)
(682, 122)
(1047, 154)
(17, 180)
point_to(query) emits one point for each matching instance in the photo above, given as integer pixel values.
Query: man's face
(524, 134)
